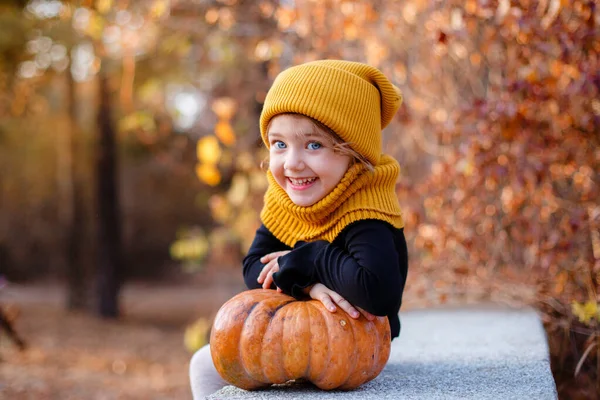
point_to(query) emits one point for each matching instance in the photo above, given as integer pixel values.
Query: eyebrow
(303, 134)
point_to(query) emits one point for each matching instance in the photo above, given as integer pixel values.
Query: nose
(293, 161)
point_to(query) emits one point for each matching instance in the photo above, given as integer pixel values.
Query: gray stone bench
(467, 353)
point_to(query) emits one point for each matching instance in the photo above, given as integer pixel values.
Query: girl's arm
(370, 274)
(264, 243)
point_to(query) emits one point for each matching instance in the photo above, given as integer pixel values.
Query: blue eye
(278, 144)
(314, 145)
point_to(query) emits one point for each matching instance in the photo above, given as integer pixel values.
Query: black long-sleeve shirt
(366, 264)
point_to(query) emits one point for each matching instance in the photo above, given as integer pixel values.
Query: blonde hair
(339, 146)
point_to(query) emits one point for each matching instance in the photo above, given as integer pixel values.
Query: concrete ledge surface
(465, 353)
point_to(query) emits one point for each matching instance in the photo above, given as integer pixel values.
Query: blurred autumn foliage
(498, 139)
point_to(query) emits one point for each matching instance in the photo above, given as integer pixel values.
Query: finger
(271, 256)
(346, 306)
(266, 258)
(266, 269)
(262, 275)
(268, 279)
(279, 290)
(327, 302)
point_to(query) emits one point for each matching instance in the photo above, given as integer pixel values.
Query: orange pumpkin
(261, 337)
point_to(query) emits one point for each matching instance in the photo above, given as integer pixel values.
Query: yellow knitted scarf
(361, 194)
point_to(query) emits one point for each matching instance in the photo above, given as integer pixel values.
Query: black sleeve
(263, 244)
(366, 272)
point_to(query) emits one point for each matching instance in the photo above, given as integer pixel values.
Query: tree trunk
(109, 221)
(72, 209)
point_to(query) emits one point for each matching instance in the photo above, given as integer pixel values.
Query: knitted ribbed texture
(353, 99)
(361, 194)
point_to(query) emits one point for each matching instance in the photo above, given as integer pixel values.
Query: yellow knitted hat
(355, 100)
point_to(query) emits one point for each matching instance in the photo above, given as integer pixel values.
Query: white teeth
(301, 181)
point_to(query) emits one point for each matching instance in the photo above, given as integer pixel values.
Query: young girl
(331, 229)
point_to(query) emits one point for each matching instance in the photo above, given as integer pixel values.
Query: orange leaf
(225, 133)
(561, 281)
(208, 174)
(208, 150)
(224, 107)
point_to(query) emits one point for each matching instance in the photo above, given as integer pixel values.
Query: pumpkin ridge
(295, 338)
(382, 354)
(376, 350)
(310, 346)
(328, 358)
(317, 309)
(219, 328)
(284, 351)
(351, 372)
(247, 326)
(268, 329)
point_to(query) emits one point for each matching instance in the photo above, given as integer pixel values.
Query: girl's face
(302, 159)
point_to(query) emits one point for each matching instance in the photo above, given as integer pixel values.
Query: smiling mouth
(301, 182)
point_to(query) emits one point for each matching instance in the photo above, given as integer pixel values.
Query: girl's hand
(266, 275)
(329, 298)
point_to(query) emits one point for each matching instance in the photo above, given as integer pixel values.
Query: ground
(77, 356)
(141, 355)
